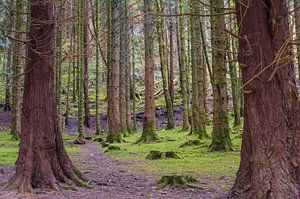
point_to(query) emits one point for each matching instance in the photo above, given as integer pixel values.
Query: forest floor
(110, 179)
(126, 173)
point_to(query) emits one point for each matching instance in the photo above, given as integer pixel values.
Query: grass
(195, 160)
(10, 148)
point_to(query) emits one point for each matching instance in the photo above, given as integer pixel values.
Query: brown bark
(43, 161)
(86, 67)
(149, 116)
(114, 125)
(270, 156)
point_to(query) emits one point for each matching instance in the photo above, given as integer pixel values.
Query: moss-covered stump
(79, 141)
(156, 155)
(113, 148)
(88, 138)
(176, 181)
(191, 143)
(171, 154)
(105, 144)
(98, 140)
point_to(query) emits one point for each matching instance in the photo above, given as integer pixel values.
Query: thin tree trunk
(133, 81)
(16, 80)
(182, 68)
(164, 65)
(80, 63)
(297, 24)
(87, 119)
(270, 155)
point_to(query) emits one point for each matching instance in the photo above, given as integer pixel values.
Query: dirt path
(109, 180)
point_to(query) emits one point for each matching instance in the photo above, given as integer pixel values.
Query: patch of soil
(110, 180)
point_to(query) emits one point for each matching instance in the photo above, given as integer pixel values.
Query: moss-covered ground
(9, 148)
(196, 160)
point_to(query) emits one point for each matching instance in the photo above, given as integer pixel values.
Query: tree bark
(16, 80)
(221, 132)
(114, 124)
(149, 125)
(43, 161)
(164, 65)
(87, 118)
(270, 155)
(182, 68)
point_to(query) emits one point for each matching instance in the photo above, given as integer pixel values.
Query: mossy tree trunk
(42, 161)
(87, 118)
(270, 154)
(198, 76)
(114, 124)
(122, 60)
(182, 67)
(221, 133)
(160, 25)
(96, 26)
(80, 51)
(149, 125)
(17, 69)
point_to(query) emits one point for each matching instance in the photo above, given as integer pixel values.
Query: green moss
(10, 148)
(176, 181)
(113, 148)
(197, 160)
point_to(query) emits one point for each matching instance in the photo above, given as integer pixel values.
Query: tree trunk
(270, 155)
(17, 69)
(198, 77)
(171, 64)
(133, 81)
(220, 135)
(42, 161)
(164, 64)
(122, 63)
(87, 119)
(297, 24)
(182, 68)
(80, 63)
(149, 125)
(7, 105)
(114, 124)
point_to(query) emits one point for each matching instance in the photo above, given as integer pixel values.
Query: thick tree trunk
(221, 132)
(270, 156)
(42, 161)
(149, 125)
(164, 65)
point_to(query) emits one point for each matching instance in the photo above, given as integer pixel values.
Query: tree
(182, 66)
(198, 77)
(17, 69)
(87, 119)
(42, 161)
(270, 155)
(297, 24)
(122, 61)
(149, 134)
(113, 72)
(96, 22)
(220, 135)
(160, 25)
(80, 76)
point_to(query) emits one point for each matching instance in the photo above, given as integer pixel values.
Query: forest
(150, 99)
